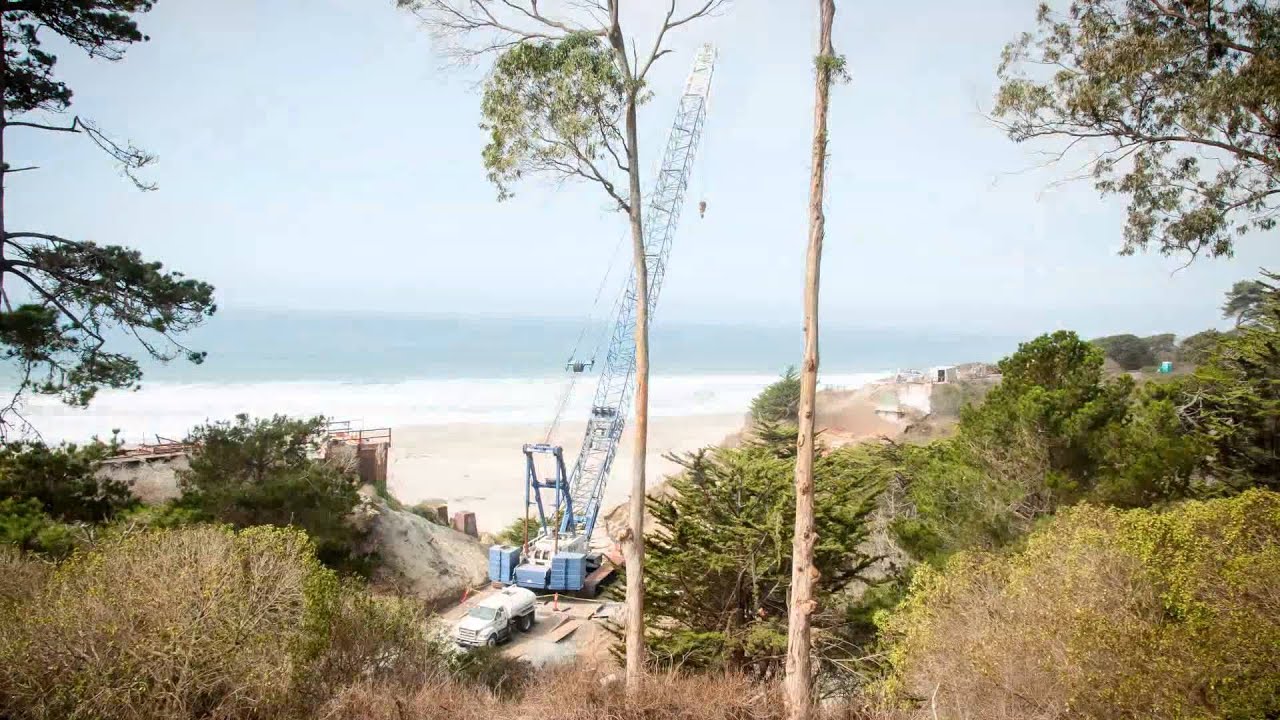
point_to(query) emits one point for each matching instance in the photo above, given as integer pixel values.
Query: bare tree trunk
(635, 546)
(4, 121)
(799, 679)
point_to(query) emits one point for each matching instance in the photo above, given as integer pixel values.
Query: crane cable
(567, 389)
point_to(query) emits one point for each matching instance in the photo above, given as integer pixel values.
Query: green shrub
(265, 472)
(63, 479)
(165, 516)
(1104, 614)
(366, 637)
(25, 525)
(780, 402)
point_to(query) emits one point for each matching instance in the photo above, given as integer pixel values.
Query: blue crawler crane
(559, 557)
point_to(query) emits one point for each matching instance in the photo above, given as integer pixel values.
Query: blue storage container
(568, 571)
(503, 560)
(532, 576)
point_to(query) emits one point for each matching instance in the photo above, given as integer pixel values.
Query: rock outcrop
(417, 556)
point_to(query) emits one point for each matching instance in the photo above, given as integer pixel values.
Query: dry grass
(575, 693)
(192, 623)
(20, 577)
(199, 622)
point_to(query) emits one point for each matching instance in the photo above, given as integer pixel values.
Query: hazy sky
(313, 154)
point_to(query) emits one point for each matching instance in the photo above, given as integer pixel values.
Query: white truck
(495, 618)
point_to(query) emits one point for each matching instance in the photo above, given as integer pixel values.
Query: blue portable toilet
(1166, 367)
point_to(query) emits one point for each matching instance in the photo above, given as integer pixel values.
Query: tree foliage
(1233, 400)
(1195, 349)
(27, 527)
(1244, 301)
(1129, 351)
(1053, 433)
(780, 402)
(263, 472)
(719, 561)
(102, 28)
(1163, 346)
(562, 101)
(64, 299)
(1104, 614)
(553, 107)
(1179, 101)
(63, 480)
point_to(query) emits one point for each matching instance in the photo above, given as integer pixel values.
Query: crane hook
(702, 209)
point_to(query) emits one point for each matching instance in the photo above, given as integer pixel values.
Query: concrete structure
(151, 476)
(465, 522)
(897, 400)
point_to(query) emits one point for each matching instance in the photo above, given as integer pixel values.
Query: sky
(319, 154)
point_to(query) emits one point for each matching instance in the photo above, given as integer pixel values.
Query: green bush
(780, 402)
(265, 472)
(1104, 614)
(198, 622)
(165, 516)
(63, 479)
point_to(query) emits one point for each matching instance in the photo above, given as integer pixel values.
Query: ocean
(383, 369)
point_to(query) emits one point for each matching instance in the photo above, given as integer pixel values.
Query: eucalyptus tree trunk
(799, 679)
(635, 556)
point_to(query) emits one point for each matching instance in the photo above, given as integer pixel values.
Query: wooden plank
(564, 631)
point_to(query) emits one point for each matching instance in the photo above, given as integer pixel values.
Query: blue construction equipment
(558, 557)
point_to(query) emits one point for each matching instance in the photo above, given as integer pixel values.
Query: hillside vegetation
(1081, 545)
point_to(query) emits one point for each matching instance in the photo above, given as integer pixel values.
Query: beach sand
(480, 467)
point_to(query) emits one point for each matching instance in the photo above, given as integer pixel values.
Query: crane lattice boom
(555, 560)
(617, 379)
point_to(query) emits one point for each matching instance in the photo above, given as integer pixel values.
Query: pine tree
(718, 568)
(61, 298)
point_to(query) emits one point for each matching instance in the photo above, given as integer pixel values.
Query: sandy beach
(479, 467)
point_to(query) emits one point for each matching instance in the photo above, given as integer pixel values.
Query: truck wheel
(492, 640)
(526, 622)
